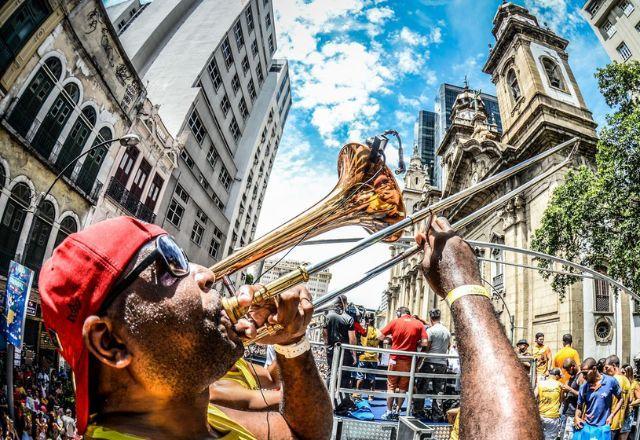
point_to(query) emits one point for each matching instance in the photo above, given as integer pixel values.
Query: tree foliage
(594, 216)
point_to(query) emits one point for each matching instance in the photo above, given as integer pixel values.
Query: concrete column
(24, 234)
(52, 239)
(4, 198)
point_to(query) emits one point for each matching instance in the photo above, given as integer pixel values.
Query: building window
(68, 226)
(249, 17)
(196, 233)
(154, 191)
(214, 73)
(593, 7)
(602, 296)
(175, 213)
(243, 109)
(196, 127)
(225, 105)
(225, 178)
(203, 181)
(226, 53)
(202, 216)
(638, 26)
(627, 7)
(245, 65)
(76, 139)
(609, 29)
(218, 202)
(259, 73)
(624, 51)
(212, 156)
(271, 46)
(214, 245)
(554, 74)
(252, 90)
(92, 163)
(237, 32)
(39, 237)
(33, 97)
(182, 194)
(512, 82)
(187, 158)
(235, 129)
(235, 83)
(267, 20)
(57, 117)
(254, 48)
(16, 31)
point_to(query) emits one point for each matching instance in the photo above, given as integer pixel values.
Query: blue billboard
(16, 299)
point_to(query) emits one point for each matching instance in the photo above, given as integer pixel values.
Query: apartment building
(209, 65)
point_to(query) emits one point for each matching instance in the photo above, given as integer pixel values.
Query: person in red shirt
(407, 334)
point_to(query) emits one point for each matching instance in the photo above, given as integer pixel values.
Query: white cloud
(412, 38)
(379, 15)
(409, 61)
(559, 15)
(436, 35)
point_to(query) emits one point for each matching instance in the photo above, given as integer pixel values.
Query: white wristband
(293, 350)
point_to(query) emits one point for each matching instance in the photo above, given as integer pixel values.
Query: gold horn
(366, 194)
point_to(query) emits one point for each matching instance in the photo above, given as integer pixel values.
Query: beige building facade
(318, 283)
(540, 106)
(616, 23)
(66, 86)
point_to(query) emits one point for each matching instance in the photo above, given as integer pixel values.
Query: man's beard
(178, 350)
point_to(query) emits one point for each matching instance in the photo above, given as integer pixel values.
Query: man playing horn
(145, 335)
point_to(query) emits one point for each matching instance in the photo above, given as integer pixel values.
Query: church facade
(540, 106)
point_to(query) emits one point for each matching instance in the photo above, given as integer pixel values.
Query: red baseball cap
(76, 280)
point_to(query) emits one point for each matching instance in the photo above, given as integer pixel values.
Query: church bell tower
(540, 100)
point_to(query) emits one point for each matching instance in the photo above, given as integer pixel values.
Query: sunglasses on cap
(167, 252)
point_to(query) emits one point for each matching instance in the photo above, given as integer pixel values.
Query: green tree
(594, 216)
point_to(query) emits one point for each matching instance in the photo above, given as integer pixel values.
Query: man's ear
(103, 343)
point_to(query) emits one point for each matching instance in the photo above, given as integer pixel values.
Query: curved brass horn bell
(366, 194)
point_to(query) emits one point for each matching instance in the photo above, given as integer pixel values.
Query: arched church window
(512, 82)
(39, 236)
(50, 129)
(68, 226)
(12, 222)
(93, 161)
(32, 99)
(553, 72)
(76, 139)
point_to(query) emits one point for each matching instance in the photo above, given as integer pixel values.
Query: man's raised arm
(494, 405)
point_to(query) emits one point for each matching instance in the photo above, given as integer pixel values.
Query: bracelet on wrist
(466, 290)
(293, 350)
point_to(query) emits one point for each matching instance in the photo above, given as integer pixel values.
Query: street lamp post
(126, 140)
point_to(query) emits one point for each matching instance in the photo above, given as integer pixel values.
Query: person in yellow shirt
(549, 394)
(619, 406)
(368, 359)
(453, 417)
(566, 352)
(625, 431)
(542, 355)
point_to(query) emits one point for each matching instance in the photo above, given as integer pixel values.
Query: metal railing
(119, 194)
(337, 367)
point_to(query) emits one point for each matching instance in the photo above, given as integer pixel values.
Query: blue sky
(362, 66)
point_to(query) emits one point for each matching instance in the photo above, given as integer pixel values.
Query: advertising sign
(16, 299)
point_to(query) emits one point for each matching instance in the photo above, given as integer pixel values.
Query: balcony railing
(129, 202)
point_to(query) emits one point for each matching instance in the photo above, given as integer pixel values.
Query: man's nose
(204, 277)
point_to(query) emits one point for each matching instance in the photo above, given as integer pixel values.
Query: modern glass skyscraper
(425, 138)
(445, 99)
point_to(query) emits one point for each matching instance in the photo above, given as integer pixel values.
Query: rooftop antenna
(466, 82)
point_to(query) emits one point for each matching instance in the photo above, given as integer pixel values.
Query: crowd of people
(577, 398)
(43, 405)
(583, 399)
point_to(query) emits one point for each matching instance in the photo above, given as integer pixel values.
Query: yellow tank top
(242, 376)
(216, 418)
(455, 431)
(549, 392)
(370, 340)
(625, 386)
